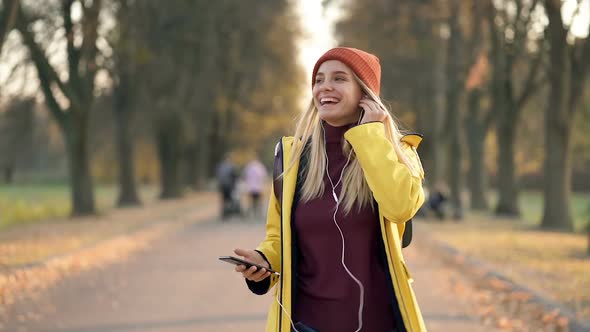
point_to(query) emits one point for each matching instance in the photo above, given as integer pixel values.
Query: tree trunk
(127, 188)
(477, 174)
(191, 157)
(569, 65)
(476, 133)
(437, 141)
(8, 174)
(169, 145)
(558, 174)
(455, 173)
(454, 70)
(218, 140)
(204, 152)
(507, 186)
(123, 95)
(82, 192)
(428, 122)
(558, 123)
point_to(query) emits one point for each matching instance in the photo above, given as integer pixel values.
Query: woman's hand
(252, 273)
(373, 112)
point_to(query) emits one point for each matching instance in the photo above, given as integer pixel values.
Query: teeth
(328, 99)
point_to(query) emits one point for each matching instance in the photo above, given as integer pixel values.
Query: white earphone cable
(356, 280)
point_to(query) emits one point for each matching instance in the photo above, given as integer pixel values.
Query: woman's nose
(326, 85)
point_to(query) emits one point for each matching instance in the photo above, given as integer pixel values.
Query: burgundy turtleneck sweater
(327, 298)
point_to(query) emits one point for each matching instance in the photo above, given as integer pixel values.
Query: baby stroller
(231, 202)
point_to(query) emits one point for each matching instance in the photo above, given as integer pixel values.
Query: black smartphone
(238, 261)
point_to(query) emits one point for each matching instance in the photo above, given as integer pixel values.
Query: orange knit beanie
(365, 65)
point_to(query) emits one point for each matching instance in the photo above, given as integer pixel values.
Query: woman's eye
(318, 80)
(339, 78)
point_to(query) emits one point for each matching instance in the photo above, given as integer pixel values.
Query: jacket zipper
(282, 250)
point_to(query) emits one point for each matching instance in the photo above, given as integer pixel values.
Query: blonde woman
(350, 183)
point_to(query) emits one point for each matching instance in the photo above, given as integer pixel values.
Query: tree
(511, 37)
(16, 135)
(125, 49)
(206, 74)
(70, 100)
(478, 121)
(412, 75)
(567, 75)
(456, 64)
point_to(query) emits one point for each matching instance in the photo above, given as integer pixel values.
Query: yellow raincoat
(398, 194)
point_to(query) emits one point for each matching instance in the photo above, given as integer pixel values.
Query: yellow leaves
(93, 244)
(548, 263)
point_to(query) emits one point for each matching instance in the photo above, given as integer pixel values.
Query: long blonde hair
(354, 186)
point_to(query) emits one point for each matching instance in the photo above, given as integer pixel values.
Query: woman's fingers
(259, 275)
(373, 112)
(371, 106)
(243, 252)
(252, 273)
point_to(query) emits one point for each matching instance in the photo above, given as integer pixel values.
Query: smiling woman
(336, 94)
(350, 183)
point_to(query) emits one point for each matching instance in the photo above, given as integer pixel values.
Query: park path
(179, 285)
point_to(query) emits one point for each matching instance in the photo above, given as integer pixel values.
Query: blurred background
(111, 103)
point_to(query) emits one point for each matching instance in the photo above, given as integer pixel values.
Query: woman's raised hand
(373, 112)
(252, 273)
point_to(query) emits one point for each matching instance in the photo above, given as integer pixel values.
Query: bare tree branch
(73, 52)
(88, 47)
(580, 65)
(522, 30)
(8, 18)
(46, 72)
(474, 43)
(532, 82)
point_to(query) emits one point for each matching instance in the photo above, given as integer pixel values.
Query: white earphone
(337, 201)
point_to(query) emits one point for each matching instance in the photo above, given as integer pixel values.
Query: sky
(318, 33)
(580, 26)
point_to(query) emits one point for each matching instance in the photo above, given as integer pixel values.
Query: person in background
(436, 200)
(227, 176)
(255, 176)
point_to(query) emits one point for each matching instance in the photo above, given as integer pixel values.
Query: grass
(554, 264)
(36, 241)
(29, 203)
(531, 204)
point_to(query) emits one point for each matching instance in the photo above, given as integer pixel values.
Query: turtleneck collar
(335, 134)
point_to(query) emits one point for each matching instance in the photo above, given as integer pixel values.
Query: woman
(351, 181)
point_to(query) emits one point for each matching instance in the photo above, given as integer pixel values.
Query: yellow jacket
(398, 194)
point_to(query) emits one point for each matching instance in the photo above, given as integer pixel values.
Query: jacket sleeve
(398, 192)
(270, 248)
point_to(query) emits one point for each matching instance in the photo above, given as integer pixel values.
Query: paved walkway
(179, 285)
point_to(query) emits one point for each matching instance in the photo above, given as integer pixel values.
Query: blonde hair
(355, 189)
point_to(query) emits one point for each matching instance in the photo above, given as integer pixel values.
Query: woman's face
(336, 94)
